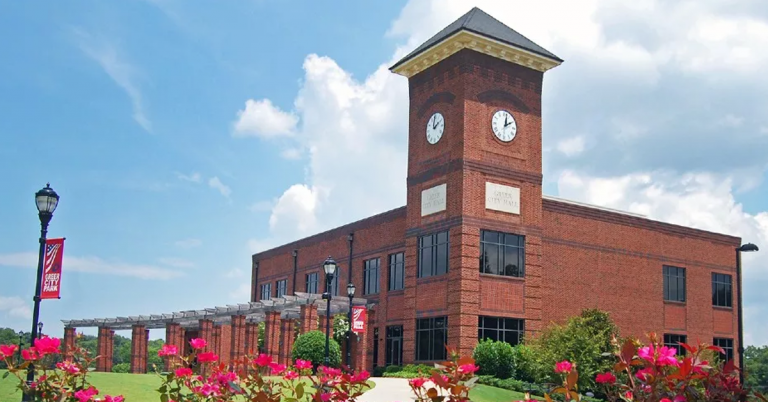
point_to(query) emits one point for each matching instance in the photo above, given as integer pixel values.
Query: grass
(134, 387)
(486, 393)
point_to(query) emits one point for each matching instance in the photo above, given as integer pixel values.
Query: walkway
(388, 390)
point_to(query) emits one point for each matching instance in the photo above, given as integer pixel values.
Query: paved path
(388, 390)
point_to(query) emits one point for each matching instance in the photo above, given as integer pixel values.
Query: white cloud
(263, 119)
(242, 293)
(571, 146)
(700, 200)
(188, 243)
(121, 72)
(215, 183)
(194, 177)
(15, 307)
(730, 120)
(176, 262)
(93, 265)
(291, 153)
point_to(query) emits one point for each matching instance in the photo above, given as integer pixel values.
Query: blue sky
(183, 137)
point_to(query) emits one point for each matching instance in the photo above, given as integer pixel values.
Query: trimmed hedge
(495, 358)
(407, 371)
(311, 346)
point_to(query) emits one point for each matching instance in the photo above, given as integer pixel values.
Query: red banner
(359, 319)
(54, 250)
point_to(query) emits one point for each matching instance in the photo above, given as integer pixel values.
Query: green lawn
(485, 393)
(135, 387)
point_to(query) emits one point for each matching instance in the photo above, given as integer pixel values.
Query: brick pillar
(362, 350)
(69, 342)
(286, 341)
(308, 317)
(139, 349)
(216, 347)
(175, 337)
(145, 352)
(111, 351)
(251, 343)
(322, 325)
(272, 334)
(237, 338)
(104, 350)
(206, 332)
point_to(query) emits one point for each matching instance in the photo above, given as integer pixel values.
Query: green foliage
(525, 363)
(756, 367)
(311, 346)
(121, 368)
(153, 360)
(408, 371)
(495, 358)
(10, 337)
(262, 326)
(340, 328)
(584, 340)
(522, 387)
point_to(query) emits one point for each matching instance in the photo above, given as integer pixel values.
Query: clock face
(504, 126)
(435, 127)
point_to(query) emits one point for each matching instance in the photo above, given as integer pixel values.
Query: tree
(756, 367)
(311, 346)
(10, 337)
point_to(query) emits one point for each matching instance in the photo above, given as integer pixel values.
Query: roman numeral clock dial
(504, 126)
(435, 128)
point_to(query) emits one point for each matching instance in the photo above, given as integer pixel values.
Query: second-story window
(371, 276)
(433, 254)
(502, 253)
(282, 287)
(396, 271)
(674, 284)
(266, 291)
(312, 280)
(721, 290)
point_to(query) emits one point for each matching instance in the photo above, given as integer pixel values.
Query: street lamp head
(748, 247)
(351, 290)
(295, 253)
(329, 266)
(46, 200)
(40, 327)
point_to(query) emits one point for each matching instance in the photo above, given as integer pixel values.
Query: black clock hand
(434, 125)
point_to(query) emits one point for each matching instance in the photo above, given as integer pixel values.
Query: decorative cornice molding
(469, 40)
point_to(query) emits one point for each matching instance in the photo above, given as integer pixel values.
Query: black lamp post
(21, 337)
(40, 329)
(46, 200)
(329, 266)
(351, 295)
(744, 248)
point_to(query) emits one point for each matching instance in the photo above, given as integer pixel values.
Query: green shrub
(378, 371)
(121, 368)
(525, 363)
(311, 346)
(495, 358)
(393, 369)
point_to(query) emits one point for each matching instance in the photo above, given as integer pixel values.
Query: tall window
(674, 284)
(721, 290)
(266, 291)
(371, 276)
(334, 288)
(282, 287)
(509, 330)
(674, 341)
(431, 337)
(312, 280)
(433, 254)
(727, 345)
(394, 346)
(502, 253)
(396, 271)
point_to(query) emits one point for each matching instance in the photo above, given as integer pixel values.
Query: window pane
(442, 259)
(492, 253)
(425, 268)
(511, 261)
(442, 237)
(489, 236)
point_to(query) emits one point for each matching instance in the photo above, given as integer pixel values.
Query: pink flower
(665, 400)
(417, 382)
(198, 343)
(629, 395)
(303, 364)
(207, 357)
(168, 350)
(277, 369)
(47, 346)
(7, 351)
(643, 374)
(360, 377)
(563, 367)
(263, 360)
(605, 378)
(67, 366)
(470, 368)
(679, 398)
(85, 395)
(666, 355)
(183, 372)
(118, 398)
(330, 371)
(325, 397)
(291, 375)
(30, 354)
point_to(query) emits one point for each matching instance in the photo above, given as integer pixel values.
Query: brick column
(104, 350)
(237, 338)
(322, 325)
(362, 354)
(174, 337)
(286, 341)
(216, 346)
(69, 342)
(308, 318)
(111, 350)
(251, 343)
(139, 349)
(206, 332)
(272, 334)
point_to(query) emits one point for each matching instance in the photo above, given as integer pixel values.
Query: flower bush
(448, 382)
(248, 379)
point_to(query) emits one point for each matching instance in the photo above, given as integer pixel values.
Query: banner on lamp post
(358, 319)
(54, 251)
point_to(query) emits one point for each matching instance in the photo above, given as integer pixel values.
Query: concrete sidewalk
(388, 390)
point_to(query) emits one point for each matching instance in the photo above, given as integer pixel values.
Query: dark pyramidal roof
(479, 22)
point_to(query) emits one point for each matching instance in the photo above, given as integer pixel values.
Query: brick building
(478, 250)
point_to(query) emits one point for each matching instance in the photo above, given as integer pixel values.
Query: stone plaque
(502, 198)
(433, 200)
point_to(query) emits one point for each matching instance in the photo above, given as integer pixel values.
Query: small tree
(311, 346)
(495, 358)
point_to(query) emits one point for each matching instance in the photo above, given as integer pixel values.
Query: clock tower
(474, 172)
